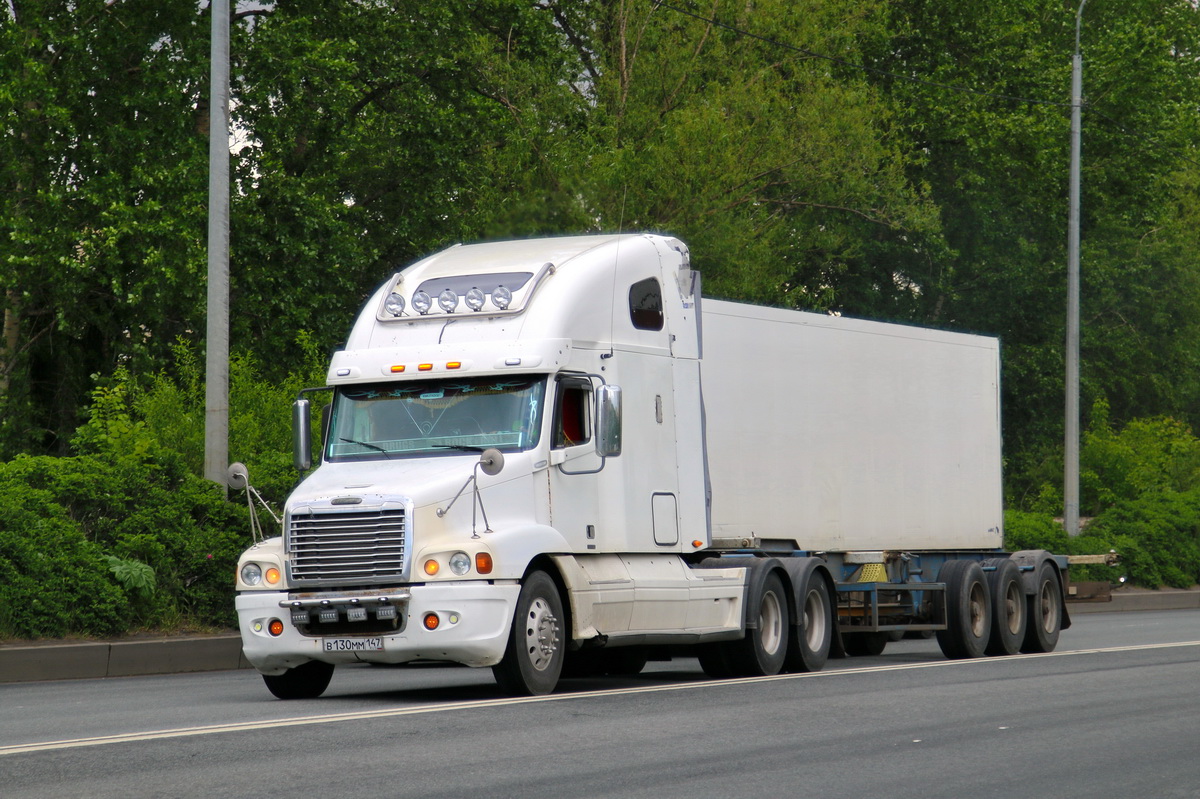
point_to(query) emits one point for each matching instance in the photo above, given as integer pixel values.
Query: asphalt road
(1114, 713)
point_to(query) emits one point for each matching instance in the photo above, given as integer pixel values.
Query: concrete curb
(127, 658)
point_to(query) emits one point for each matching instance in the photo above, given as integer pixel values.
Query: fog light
(448, 300)
(356, 614)
(460, 563)
(328, 615)
(385, 612)
(421, 302)
(275, 627)
(501, 297)
(299, 617)
(432, 621)
(474, 299)
(251, 574)
(394, 304)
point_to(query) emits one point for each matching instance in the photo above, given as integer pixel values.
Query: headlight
(448, 300)
(501, 297)
(422, 302)
(460, 563)
(394, 304)
(251, 574)
(474, 299)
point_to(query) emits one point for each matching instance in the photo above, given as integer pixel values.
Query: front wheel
(306, 681)
(536, 649)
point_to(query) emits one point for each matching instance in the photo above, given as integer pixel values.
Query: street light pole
(216, 366)
(1071, 442)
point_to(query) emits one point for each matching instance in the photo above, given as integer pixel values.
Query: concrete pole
(1071, 441)
(216, 382)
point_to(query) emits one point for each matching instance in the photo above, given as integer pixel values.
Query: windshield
(386, 420)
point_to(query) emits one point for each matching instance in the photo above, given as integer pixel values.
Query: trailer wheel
(866, 644)
(536, 649)
(763, 651)
(1009, 612)
(306, 681)
(810, 639)
(1045, 611)
(968, 610)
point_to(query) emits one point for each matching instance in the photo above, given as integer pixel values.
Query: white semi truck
(551, 454)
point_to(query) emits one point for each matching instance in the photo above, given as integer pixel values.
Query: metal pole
(216, 385)
(1071, 442)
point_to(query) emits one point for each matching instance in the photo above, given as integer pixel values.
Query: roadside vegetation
(903, 161)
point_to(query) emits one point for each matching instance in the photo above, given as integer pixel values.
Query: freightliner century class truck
(551, 454)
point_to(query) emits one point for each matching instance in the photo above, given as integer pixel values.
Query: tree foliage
(904, 160)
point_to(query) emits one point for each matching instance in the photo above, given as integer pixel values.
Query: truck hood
(424, 481)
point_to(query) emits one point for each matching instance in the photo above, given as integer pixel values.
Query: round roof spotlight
(501, 297)
(422, 302)
(394, 304)
(448, 300)
(474, 299)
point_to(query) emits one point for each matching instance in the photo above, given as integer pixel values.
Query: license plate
(352, 644)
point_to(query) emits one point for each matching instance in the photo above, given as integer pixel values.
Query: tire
(811, 637)
(1010, 612)
(968, 610)
(536, 650)
(762, 652)
(306, 681)
(865, 644)
(1045, 606)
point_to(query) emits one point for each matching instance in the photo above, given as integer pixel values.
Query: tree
(991, 110)
(101, 190)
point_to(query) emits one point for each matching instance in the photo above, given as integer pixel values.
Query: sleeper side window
(573, 412)
(646, 305)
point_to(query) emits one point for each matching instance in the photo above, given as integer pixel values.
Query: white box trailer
(550, 456)
(843, 434)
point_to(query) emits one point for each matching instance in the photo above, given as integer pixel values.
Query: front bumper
(475, 619)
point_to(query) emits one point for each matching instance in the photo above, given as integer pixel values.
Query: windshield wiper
(368, 445)
(460, 447)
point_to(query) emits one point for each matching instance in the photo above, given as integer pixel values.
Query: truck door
(575, 468)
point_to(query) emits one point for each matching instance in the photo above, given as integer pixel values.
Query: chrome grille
(359, 547)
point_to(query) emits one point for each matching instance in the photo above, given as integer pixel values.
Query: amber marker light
(397, 368)
(697, 544)
(425, 367)
(483, 563)
(275, 628)
(432, 621)
(431, 567)
(272, 575)
(454, 364)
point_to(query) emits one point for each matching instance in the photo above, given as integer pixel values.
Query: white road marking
(297, 721)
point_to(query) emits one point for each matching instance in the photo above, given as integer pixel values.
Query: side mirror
(301, 435)
(608, 421)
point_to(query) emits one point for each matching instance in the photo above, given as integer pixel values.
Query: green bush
(94, 546)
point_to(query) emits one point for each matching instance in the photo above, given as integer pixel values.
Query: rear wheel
(968, 610)
(306, 681)
(810, 639)
(1045, 611)
(764, 649)
(1009, 611)
(534, 658)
